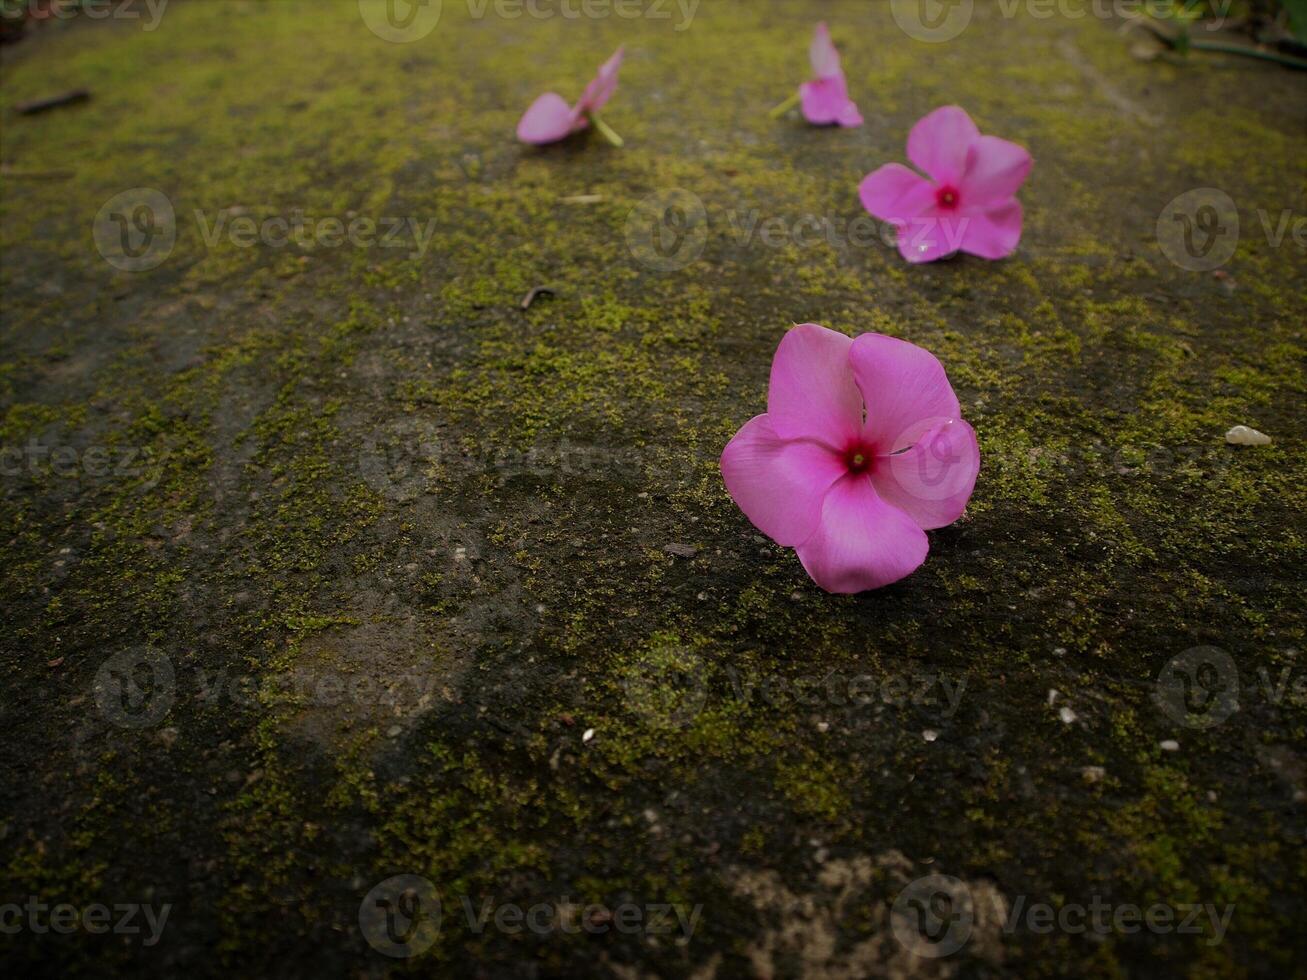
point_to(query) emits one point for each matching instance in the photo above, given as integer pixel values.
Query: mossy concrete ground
(404, 545)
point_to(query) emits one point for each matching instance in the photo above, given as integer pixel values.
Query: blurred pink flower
(862, 450)
(550, 119)
(969, 203)
(825, 99)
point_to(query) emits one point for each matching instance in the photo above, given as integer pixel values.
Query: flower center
(859, 458)
(947, 198)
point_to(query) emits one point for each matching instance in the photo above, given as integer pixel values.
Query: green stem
(785, 106)
(1251, 52)
(605, 130)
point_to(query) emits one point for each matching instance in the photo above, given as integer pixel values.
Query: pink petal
(932, 234)
(995, 170)
(779, 484)
(549, 119)
(849, 116)
(824, 101)
(940, 143)
(861, 541)
(821, 52)
(905, 389)
(932, 481)
(812, 394)
(895, 192)
(994, 234)
(602, 86)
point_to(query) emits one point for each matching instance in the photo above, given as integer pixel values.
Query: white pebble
(1067, 715)
(1241, 435)
(1170, 745)
(823, 726)
(930, 734)
(589, 734)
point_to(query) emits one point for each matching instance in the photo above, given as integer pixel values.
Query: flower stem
(1249, 51)
(605, 130)
(785, 106)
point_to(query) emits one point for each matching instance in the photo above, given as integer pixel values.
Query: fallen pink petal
(550, 119)
(966, 203)
(824, 101)
(862, 450)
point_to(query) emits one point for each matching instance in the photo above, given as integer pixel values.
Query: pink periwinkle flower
(862, 450)
(824, 100)
(550, 118)
(967, 204)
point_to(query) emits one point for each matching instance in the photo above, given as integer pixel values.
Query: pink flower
(825, 99)
(861, 451)
(551, 119)
(969, 203)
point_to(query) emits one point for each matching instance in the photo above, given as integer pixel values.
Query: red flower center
(947, 197)
(859, 457)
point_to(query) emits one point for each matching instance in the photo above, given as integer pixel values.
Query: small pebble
(588, 734)
(681, 550)
(930, 734)
(1093, 774)
(1241, 435)
(393, 731)
(1067, 715)
(1170, 745)
(823, 726)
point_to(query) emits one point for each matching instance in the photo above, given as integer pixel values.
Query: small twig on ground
(14, 174)
(54, 102)
(535, 291)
